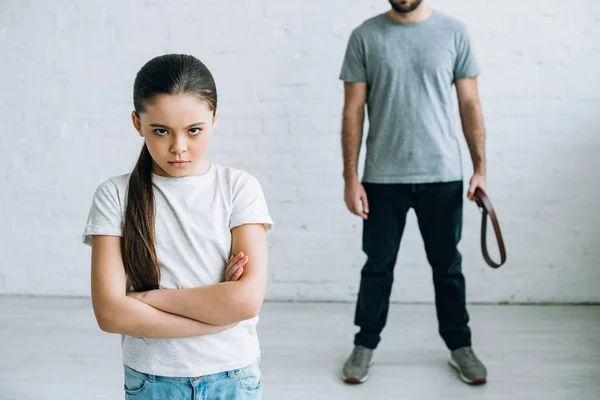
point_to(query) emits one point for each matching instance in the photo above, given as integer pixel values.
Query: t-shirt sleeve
(105, 216)
(466, 63)
(249, 204)
(354, 66)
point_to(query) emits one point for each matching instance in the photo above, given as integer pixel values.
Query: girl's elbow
(252, 307)
(248, 301)
(248, 313)
(105, 325)
(106, 322)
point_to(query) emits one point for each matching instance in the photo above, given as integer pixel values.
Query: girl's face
(177, 129)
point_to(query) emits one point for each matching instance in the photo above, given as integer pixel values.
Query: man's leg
(439, 209)
(382, 231)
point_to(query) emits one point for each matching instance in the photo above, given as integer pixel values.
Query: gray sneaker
(356, 367)
(470, 369)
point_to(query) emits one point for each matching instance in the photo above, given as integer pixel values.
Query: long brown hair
(167, 74)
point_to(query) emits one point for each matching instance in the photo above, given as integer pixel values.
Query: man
(405, 64)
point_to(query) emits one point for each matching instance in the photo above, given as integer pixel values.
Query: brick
(66, 99)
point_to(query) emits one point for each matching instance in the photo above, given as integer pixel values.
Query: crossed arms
(178, 313)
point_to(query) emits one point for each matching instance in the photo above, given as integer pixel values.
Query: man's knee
(446, 265)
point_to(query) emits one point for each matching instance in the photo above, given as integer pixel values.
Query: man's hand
(235, 267)
(356, 198)
(477, 181)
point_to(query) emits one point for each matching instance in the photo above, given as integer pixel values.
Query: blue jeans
(238, 384)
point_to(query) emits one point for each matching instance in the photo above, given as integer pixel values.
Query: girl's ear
(136, 123)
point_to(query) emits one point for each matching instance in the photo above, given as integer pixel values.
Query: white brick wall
(67, 74)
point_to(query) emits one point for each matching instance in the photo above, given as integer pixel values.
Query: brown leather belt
(486, 205)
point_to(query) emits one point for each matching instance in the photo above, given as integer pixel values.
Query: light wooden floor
(51, 349)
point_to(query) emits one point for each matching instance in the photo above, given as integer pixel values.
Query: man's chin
(405, 9)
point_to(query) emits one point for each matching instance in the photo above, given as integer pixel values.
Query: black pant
(438, 207)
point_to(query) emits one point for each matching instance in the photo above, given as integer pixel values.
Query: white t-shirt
(194, 218)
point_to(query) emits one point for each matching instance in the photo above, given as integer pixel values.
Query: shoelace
(470, 358)
(357, 357)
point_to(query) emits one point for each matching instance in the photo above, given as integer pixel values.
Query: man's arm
(473, 129)
(355, 95)
(227, 302)
(117, 313)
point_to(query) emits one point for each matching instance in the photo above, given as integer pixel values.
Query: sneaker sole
(354, 380)
(478, 381)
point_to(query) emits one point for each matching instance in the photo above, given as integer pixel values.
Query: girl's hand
(235, 267)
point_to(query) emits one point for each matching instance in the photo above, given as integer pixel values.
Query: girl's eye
(160, 132)
(195, 131)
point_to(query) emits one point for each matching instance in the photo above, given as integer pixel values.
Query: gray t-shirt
(410, 71)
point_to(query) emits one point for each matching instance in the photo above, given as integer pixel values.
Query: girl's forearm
(134, 318)
(220, 304)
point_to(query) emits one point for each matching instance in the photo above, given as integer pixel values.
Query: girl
(179, 251)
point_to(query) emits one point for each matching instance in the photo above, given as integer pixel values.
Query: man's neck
(418, 15)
